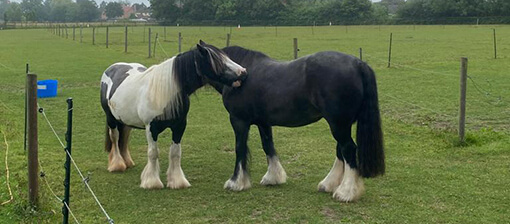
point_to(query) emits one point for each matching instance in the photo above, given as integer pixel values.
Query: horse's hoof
(152, 184)
(236, 185)
(130, 163)
(117, 167)
(274, 179)
(174, 184)
(349, 193)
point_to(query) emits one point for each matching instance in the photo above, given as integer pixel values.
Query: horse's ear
(202, 49)
(201, 42)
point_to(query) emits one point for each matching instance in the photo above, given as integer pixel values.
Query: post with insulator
(67, 165)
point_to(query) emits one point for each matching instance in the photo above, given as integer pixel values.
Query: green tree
(166, 10)
(14, 12)
(114, 10)
(32, 10)
(87, 11)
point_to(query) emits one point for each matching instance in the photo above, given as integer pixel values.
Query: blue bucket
(47, 88)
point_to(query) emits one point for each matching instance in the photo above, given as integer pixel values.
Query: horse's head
(215, 65)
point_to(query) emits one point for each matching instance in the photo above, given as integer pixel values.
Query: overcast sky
(146, 2)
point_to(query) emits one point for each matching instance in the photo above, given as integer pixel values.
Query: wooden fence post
(228, 39)
(33, 162)
(389, 51)
(495, 46)
(81, 33)
(361, 53)
(462, 111)
(125, 39)
(93, 35)
(150, 40)
(107, 33)
(180, 39)
(74, 32)
(155, 44)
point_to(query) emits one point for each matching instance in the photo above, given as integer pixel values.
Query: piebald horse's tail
(369, 136)
(107, 139)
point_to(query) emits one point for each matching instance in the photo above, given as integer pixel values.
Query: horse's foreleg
(175, 175)
(123, 145)
(240, 180)
(275, 173)
(150, 175)
(115, 161)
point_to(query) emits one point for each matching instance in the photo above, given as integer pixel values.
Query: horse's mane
(164, 88)
(240, 54)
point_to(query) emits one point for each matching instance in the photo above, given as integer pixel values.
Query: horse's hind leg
(175, 175)
(123, 145)
(240, 180)
(150, 174)
(275, 173)
(115, 161)
(349, 184)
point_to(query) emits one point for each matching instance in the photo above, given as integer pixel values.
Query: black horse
(338, 87)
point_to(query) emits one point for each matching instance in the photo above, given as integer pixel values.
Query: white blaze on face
(232, 66)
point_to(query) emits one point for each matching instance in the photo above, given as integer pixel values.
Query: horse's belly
(123, 106)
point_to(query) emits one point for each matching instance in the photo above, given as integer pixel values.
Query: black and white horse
(331, 85)
(156, 98)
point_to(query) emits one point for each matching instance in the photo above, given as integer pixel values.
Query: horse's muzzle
(239, 80)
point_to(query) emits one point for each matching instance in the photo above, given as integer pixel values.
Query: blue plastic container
(47, 88)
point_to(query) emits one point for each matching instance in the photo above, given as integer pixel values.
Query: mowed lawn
(430, 178)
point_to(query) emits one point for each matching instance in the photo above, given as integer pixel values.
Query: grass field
(430, 178)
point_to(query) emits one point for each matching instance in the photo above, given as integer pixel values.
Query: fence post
(107, 32)
(67, 165)
(180, 39)
(389, 52)
(462, 112)
(295, 48)
(495, 46)
(125, 40)
(93, 35)
(150, 40)
(67, 35)
(155, 44)
(361, 53)
(74, 32)
(165, 31)
(81, 33)
(228, 39)
(26, 109)
(33, 162)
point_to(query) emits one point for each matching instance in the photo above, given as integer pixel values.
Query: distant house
(128, 10)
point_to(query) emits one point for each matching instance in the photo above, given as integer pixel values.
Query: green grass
(430, 179)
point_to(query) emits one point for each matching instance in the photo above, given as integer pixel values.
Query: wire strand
(85, 180)
(162, 48)
(11, 198)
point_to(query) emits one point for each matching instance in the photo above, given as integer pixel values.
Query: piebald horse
(157, 98)
(331, 85)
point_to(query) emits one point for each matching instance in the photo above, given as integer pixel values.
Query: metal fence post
(67, 181)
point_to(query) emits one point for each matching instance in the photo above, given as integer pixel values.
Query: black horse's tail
(369, 136)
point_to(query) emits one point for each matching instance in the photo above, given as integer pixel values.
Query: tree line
(61, 10)
(266, 12)
(308, 12)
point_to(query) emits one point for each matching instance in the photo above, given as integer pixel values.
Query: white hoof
(275, 173)
(151, 183)
(177, 180)
(150, 177)
(334, 178)
(117, 165)
(347, 192)
(242, 181)
(236, 185)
